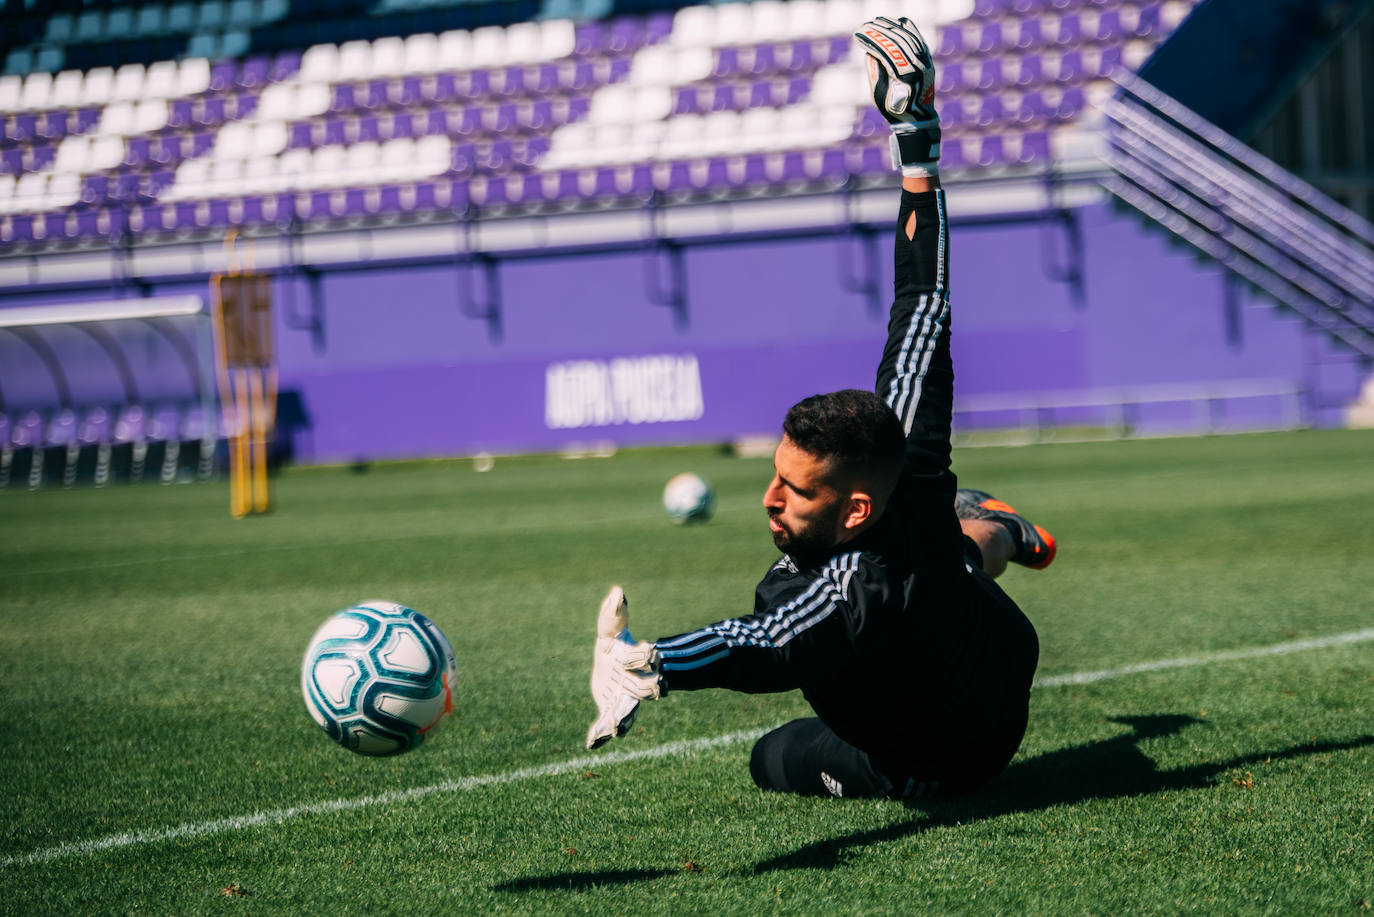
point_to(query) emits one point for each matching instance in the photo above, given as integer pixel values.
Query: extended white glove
(901, 75)
(624, 672)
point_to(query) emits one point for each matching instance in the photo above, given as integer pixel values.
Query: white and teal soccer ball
(688, 498)
(379, 678)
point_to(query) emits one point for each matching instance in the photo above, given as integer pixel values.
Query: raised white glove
(901, 75)
(624, 671)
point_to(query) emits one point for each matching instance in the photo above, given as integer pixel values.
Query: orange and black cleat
(1035, 547)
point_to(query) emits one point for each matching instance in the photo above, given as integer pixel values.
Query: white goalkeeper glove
(901, 75)
(624, 672)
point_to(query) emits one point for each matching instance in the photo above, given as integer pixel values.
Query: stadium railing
(1262, 223)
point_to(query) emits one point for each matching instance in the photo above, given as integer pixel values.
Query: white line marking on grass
(667, 750)
(1159, 665)
(276, 816)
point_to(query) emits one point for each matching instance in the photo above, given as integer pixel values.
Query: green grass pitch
(155, 755)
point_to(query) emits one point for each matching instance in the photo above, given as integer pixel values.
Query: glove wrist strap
(916, 153)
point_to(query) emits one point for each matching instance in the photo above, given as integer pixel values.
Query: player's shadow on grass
(1100, 770)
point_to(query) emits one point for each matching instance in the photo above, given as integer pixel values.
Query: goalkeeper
(882, 609)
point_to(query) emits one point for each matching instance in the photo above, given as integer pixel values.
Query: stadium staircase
(1265, 225)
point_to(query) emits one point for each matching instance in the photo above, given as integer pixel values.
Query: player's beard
(812, 539)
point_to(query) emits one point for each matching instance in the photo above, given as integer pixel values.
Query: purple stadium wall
(585, 356)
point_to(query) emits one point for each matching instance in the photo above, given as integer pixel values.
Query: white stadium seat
(161, 80)
(319, 63)
(37, 89)
(128, 83)
(454, 51)
(422, 53)
(193, 76)
(96, 88)
(355, 61)
(488, 46)
(388, 58)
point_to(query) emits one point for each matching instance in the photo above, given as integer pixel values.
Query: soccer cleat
(1035, 547)
(901, 77)
(624, 671)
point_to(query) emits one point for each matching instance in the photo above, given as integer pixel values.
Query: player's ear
(860, 509)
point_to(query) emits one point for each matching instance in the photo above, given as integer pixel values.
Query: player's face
(804, 510)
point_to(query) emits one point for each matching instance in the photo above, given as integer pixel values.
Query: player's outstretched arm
(624, 671)
(915, 376)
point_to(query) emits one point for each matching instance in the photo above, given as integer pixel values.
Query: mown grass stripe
(1159, 665)
(667, 750)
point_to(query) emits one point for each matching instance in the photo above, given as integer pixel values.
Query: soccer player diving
(882, 608)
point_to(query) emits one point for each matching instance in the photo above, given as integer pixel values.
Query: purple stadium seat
(1110, 27)
(27, 432)
(801, 58)
(1031, 34)
(95, 189)
(53, 125)
(951, 80)
(1112, 60)
(475, 84)
(511, 81)
(334, 133)
(222, 75)
(727, 63)
(686, 101)
(41, 157)
(1070, 67)
(657, 27)
(470, 122)
(1034, 109)
(284, 65)
(403, 125)
(1070, 30)
(954, 112)
(761, 94)
(724, 98)
(376, 94)
(501, 119)
(1031, 72)
(131, 425)
(952, 155)
(625, 35)
(1150, 21)
(544, 79)
(343, 100)
(369, 129)
(1071, 103)
(990, 74)
(298, 136)
(86, 119)
(405, 92)
(464, 158)
(137, 152)
(871, 159)
(871, 123)
(992, 151)
(990, 40)
(765, 60)
(20, 229)
(991, 111)
(167, 150)
(253, 73)
(1035, 147)
(590, 38)
(23, 128)
(798, 88)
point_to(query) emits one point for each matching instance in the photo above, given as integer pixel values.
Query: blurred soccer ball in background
(378, 678)
(688, 498)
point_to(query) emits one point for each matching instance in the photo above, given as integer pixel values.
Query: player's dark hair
(855, 432)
